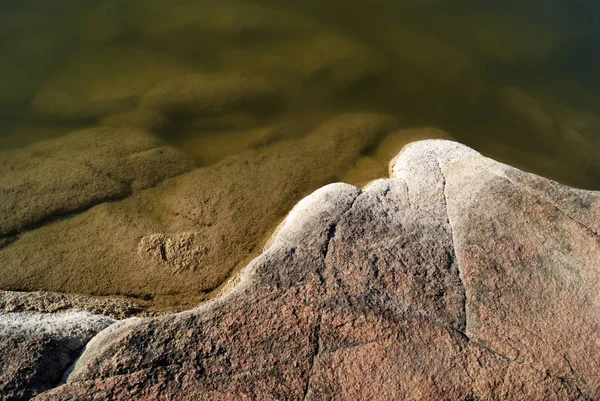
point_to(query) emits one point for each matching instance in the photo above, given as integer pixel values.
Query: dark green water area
(217, 116)
(516, 80)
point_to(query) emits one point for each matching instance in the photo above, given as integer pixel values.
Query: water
(440, 63)
(516, 80)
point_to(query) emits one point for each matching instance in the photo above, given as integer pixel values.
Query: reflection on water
(516, 80)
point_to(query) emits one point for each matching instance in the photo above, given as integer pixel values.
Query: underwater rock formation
(457, 278)
(176, 239)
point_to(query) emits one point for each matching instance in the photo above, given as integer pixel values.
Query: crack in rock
(316, 340)
(464, 323)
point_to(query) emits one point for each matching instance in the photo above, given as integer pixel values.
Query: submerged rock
(102, 80)
(209, 94)
(186, 235)
(310, 60)
(54, 178)
(458, 278)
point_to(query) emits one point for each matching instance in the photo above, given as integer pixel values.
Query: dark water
(516, 80)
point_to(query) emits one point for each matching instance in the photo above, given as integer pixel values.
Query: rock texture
(36, 349)
(48, 302)
(58, 177)
(172, 242)
(459, 278)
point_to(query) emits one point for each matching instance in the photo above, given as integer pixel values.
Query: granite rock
(457, 278)
(36, 349)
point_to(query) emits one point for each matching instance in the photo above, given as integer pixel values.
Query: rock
(57, 177)
(45, 302)
(184, 237)
(458, 278)
(211, 147)
(528, 109)
(377, 165)
(102, 80)
(210, 94)
(310, 60)
(36, 349)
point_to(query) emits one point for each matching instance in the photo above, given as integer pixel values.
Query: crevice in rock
(480, 344)
(333, 227)
(7, 240)
(331, 233)
(316, 341)
(408, 195)
(71, 367)
(464, 322)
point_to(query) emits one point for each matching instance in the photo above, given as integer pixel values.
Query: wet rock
(209, 94)
(54, 178)
(528, 109)
(458, 278)
(365, 170)
(211, 147)
(310, 60)
(46, 302)
(227, 209)
(36, 349)
(102, 80)
(393, 144)
(560, 139)
(140, 118)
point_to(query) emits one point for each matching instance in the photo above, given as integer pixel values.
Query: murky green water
(239, 86)
(516, 80)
